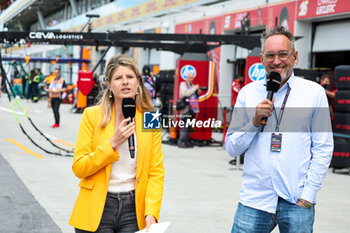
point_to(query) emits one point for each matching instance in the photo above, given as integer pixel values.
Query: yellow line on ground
(25, 148)
(66, 143)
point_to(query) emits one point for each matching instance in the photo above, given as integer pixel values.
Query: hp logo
(187, 69)
(257, 72)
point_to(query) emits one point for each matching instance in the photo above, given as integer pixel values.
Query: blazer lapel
(110, 130)
(140, 144)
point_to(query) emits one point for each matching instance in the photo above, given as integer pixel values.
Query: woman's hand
(122, 133)
(149, 221)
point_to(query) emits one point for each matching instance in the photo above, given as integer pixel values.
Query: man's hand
(264, 109)
(149, 221)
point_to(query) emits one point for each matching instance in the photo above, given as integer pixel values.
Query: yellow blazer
(92, 163)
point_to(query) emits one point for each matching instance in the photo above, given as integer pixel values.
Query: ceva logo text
(41, 35)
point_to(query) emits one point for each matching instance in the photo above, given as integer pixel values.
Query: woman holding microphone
(118, 193)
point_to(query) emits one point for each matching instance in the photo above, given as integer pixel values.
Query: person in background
(29, 78)
(35, 86)
(118, 193)
(237, 85)
(325, 82)
(17, 86)
(190, 92)
(56, 88)
(285, 165)
(24, 86)
(149, 82)
(46, 83)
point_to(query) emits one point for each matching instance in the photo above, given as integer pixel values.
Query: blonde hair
(143, 100)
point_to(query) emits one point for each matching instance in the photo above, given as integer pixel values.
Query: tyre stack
(341, 154)
(165, 82)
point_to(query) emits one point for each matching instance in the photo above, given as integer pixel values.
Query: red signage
(271, 15)
(343, 101)
(341, 126)
(341, 154)
(344, 79)
(85, 81)
(206, 26)
(254, 70)
(208, 102)
(317, 8)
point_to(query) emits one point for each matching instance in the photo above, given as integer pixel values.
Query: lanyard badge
(276, 142)
(276, 138)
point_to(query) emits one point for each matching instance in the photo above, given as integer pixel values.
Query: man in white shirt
(279, 186)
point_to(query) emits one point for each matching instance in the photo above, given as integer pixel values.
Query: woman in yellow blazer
(117, 193)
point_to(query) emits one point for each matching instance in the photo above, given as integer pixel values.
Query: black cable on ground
(5, 80)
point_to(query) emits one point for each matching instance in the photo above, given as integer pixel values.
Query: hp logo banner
(257, 72)
(187, 69)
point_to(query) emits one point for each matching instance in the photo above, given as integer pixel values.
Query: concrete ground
(200, 193)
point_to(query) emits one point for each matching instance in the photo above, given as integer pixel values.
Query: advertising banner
(317, 8)
(271, 16)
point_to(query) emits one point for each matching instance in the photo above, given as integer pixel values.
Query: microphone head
(128, 107)
(273, 81)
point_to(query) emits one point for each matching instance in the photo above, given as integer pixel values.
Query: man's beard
(287, 74)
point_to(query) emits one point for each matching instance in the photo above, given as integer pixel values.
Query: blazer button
(138, 180)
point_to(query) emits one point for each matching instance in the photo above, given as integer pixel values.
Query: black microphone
(273, 82)
(129, 110)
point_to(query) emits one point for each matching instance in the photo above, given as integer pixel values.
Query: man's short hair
(58, 68)
(279, 30)
(325, 76)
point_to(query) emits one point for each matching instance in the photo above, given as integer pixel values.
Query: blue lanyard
(279, 119)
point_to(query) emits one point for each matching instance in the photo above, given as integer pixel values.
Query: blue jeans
(119, 214)
(289, 217)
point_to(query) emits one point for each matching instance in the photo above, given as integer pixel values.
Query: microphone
(129, 110)
(272, 85)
